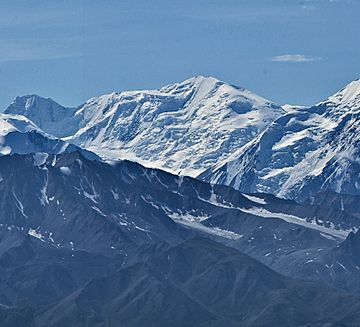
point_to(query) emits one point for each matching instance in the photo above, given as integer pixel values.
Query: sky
(288, 51)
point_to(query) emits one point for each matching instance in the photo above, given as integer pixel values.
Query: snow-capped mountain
(20, 135)
(206, 128)
(183, 128)
(303, 152)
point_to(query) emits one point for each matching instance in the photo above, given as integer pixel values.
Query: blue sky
(288, 51)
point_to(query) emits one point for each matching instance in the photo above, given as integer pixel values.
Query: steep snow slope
(184, 128)
(20, 135)
(303, 152)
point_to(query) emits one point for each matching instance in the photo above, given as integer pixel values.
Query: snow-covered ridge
(12, 128)
(349, 95)
(305, 151)
(12, 123)
(20, 135)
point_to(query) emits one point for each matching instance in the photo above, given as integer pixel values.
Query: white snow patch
(329, 237)
(44, 198)
(209, 230)
(254, 199)
(19, 205)
(91, 197)
(98, 211)
(141, 229)
(40, 158)
(341, 265)
(261, 212)
(185, 216)
(115, 194)
(194, 222)
(5, 150)
(34, 233)
(65, 170)
(51, 237)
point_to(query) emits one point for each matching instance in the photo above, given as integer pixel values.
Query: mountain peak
(200, 84)
(204, 78)
(349, 95)
(32, 106)
(27, 102)
(210, 82)
(44, 112)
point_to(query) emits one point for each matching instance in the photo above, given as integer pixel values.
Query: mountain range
(84, 242)
(211, 130)
(183, 128)
(198, 204)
